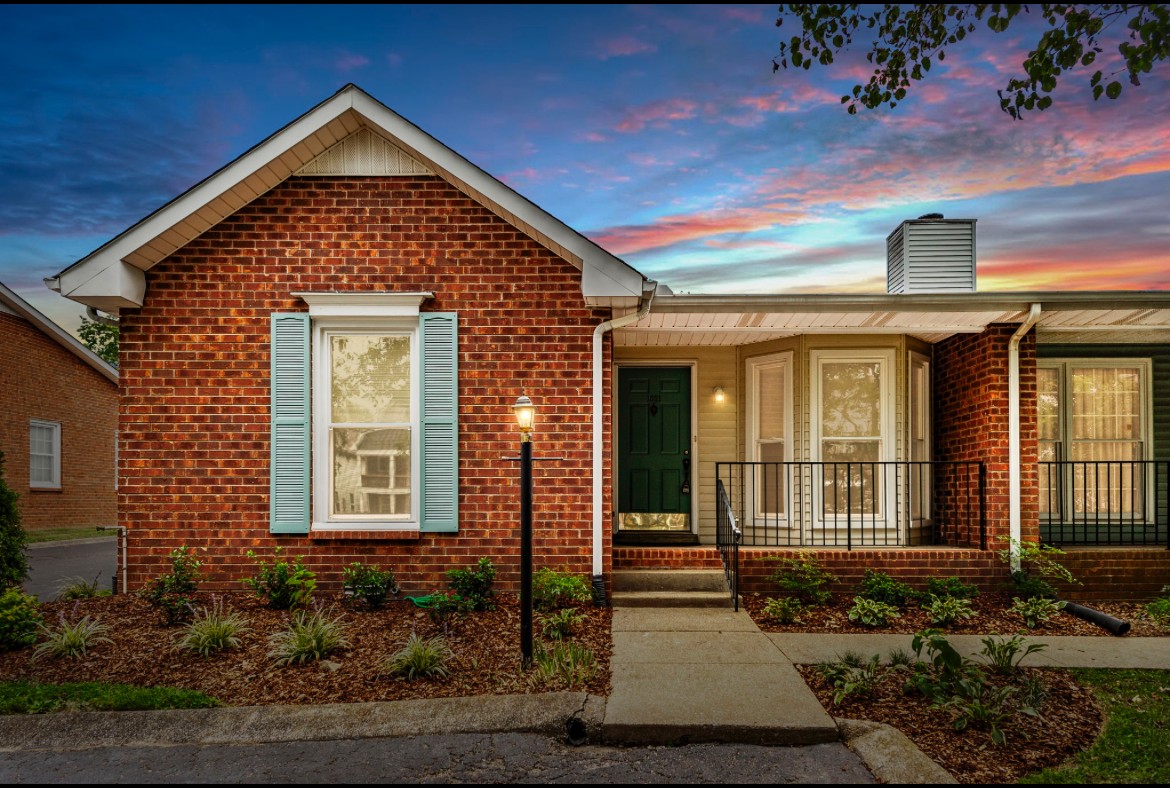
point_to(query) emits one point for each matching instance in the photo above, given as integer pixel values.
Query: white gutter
(599, 417)
(1014, 474)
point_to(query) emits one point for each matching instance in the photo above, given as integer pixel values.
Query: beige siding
(715, 434)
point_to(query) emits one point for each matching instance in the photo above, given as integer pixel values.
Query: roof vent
(931, 254)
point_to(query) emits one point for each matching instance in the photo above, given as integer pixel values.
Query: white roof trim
(605, 278)
(22, 308)
(364, 304)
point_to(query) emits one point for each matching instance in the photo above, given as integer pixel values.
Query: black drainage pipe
(1114, 626)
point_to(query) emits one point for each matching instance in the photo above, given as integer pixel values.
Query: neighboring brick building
(58, 421)
(322, 341)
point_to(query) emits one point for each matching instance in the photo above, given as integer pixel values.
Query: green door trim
(683, 520)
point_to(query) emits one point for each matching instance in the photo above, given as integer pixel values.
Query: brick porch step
(670, 588)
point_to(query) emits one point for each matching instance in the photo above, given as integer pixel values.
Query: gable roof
(112, 277)
(22, 308)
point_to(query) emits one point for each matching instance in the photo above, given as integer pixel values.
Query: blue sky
(659, 131)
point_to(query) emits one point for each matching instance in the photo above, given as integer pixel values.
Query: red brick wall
(971, 420)
(195, 372)
(40, 379)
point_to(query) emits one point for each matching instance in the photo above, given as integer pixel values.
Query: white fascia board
(364, 304)
(22, 308)
(603, 274)
(109, 287)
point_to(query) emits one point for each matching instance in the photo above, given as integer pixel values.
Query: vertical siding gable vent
(364, 153)
(931, 254)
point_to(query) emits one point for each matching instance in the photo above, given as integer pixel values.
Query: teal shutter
(440, 424)
(289, 492)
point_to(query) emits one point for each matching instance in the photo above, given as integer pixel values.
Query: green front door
(654, 448)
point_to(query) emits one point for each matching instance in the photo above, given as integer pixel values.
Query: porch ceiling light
(719, 395)
(525, 416)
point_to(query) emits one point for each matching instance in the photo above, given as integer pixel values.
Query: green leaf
(926, 63)
(1113, 90)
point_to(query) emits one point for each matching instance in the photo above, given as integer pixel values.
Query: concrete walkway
(679, 676)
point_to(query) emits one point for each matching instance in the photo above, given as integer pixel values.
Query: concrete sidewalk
(679, 676)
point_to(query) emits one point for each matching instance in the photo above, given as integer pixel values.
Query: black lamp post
(525, 415)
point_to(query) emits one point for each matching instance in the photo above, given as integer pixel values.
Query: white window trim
(886, 356)
(914, 358)
(1064, 366)
(751, 407)
(55, 483)
(322, 465)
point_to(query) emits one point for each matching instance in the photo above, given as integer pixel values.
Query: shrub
(71, 640)
(1004, 655)
(880, 587)
(938, 675)
(562, 624)
(1038, 566)
(213, 630)
(474, 585)
(872, 613)
(369, 583)
(285, 585)
(420, 658)
(20, 619)
(569, 662)
(948, 609)
(900, 658)
(171, 593)
(950, 586)
(309, 636)
(72, 588)
(13, 538)
(1159, 610)
(804, 578)
(1036, 611)
(851, 676)
(977, 702)
(552, 589)
(785, 610)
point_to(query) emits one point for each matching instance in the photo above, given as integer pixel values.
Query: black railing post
(982, 505)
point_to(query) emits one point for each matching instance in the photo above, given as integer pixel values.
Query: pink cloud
(1075, 267)
(657, 114)
(622, 46)
(348, 62)
(393, 59)
(668, 230)
(751, 15)
(593, 136)
(648, 160)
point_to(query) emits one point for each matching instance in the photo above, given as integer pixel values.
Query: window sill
(337, 535)
(44, 489)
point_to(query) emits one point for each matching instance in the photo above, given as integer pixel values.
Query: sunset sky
(658, 131)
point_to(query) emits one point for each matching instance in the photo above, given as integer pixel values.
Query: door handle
(686, 485)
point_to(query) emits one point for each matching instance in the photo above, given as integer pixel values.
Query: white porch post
(1015, 475)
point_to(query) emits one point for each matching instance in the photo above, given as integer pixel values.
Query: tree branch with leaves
(907, 41)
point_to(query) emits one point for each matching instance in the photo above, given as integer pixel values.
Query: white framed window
(1094, 428)
(366, 468)
(852, 417)
(769, 428)
(918, 434)
(44, 454)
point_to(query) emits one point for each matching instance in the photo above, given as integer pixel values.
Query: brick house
(321, 343)
(58, 421)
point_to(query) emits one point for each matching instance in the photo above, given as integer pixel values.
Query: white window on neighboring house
(44, 450)
(1093, 427)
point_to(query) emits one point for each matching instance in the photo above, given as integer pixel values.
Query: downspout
(97, 317)
(1014, 472)
(599, 416)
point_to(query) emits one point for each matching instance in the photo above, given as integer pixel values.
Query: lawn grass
(20, 697)
(1134, 746)
(61, 534)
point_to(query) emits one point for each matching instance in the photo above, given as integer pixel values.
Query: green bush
(880, 587)
(948, 609)
(552, 589)
(369, 583)
(474, 585)
(309, 636)
(1038, 567)
(212, 630)
(785, 610)
(1159, 610)
(13, 538)
(71, 640)
(171, 593)
(561, 624)
(72, 588)
(872, 613)
(420, 658)
(950, 586)
(284, 585)
(1005, 654)
(1036, 611)
(804, 578)
(568, 662)
(852, 676)
(20, 619)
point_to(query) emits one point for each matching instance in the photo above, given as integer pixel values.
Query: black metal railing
(727, 538)
(857, 504)
(1105, 502)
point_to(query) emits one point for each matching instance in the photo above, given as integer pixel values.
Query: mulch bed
(486, 650)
